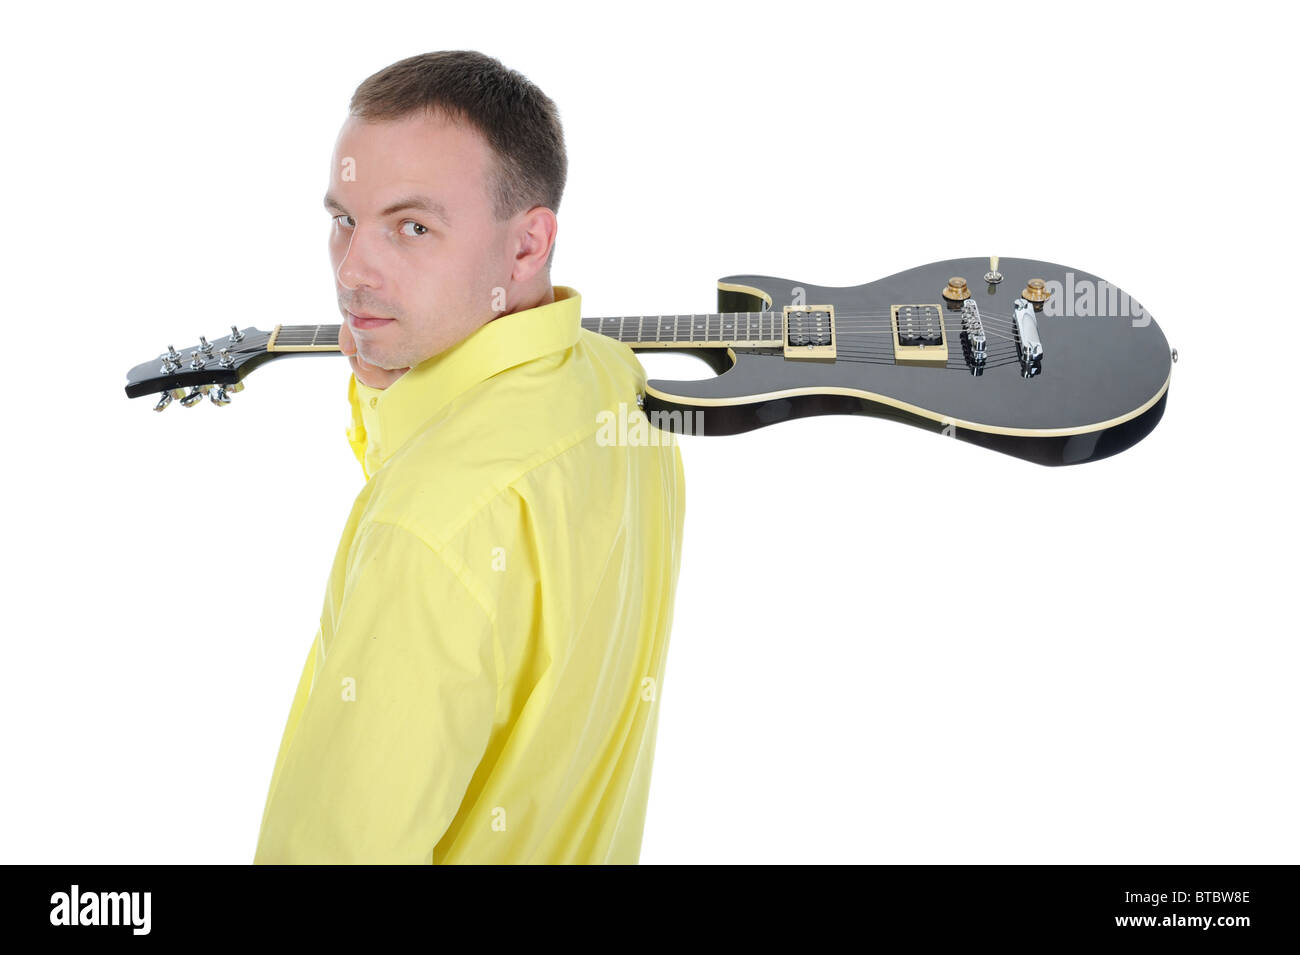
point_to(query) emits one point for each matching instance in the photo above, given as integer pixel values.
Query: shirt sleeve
(401, 706)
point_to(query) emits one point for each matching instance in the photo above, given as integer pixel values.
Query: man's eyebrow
(423, 203)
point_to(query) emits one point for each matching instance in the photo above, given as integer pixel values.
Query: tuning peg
(173, 355)
(177, 392)
(192, 397)
(164, 399)
(196, 361)
(169, 366)
(205, 346)
(226, 360)
(236, 387)
(219, 397)
(235, 334)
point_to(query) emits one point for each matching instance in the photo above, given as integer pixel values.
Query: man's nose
(358, 265)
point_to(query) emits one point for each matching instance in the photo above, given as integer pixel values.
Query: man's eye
(414, 225)
(343, 216)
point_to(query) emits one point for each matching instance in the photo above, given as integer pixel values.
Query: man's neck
(532, 298)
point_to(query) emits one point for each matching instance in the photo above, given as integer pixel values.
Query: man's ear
(532, 238)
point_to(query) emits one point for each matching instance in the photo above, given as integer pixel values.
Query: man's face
(425, 283)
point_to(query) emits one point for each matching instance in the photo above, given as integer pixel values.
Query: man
(485, 683)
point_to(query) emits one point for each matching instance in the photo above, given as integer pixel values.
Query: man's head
(444, 185)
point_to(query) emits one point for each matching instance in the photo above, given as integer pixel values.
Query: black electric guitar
(1032, 359)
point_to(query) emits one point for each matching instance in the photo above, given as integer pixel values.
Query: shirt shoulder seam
(441, 555)
(543, 457)
(458, 572)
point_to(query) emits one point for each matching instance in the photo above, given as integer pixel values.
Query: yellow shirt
(485, 683)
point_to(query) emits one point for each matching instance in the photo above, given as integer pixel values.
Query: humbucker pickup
(918, 334)
(809, 331)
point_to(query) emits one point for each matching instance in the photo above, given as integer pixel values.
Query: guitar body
(1100, 386)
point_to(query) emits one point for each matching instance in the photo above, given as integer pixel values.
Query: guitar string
(884, 354)
(846, 342)
(592, 322)
(846, 328)
(707, 333)
(711, 318)
(302, 335)
(990, 356)
(998, 359)
(715, 322)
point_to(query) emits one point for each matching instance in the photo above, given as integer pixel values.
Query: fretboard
(304, 338)
(716, 330)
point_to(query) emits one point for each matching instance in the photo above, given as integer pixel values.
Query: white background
(1103, 670)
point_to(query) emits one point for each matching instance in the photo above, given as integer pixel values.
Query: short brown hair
(519, 122)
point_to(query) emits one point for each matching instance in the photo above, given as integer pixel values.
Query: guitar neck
(711, 330)
(285, 338)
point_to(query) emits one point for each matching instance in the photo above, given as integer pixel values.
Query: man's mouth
(367, 321)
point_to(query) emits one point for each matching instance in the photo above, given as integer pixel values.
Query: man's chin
(386, 362)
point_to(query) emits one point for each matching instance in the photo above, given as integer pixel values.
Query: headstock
(215, 369)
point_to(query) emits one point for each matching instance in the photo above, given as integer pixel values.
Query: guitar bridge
(809, 331)
(974, 339)
(1028, 344)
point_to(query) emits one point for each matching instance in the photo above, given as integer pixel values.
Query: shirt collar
(392, 415)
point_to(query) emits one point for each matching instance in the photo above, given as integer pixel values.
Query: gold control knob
(1036, 291)
(956, 290)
